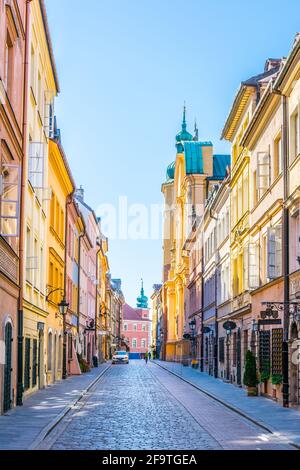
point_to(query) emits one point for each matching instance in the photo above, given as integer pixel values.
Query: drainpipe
(285, 236)
(19, 399)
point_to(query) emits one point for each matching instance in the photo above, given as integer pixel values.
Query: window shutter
(263, 172)
(246, 268)
(278, 249)
(271, 253)
(253, 278)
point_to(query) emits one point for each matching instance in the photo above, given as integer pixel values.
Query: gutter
(49, 42)
(19, 398)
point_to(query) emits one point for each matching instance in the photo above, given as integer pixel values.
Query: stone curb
(47, 429)
(227, 405)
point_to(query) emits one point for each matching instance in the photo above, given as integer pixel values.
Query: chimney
(271, 64)
(79, 193)
(297, 37)
(117, 283)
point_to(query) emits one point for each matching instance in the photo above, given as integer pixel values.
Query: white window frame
(16, 202)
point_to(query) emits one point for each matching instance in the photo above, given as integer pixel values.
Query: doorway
(294, 378)
(7, 368)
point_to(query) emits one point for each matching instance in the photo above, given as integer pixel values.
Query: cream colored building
(43, 87)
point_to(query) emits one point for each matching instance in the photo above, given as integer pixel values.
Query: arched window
(50, 350)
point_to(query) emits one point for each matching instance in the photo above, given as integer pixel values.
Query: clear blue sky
(125, 68)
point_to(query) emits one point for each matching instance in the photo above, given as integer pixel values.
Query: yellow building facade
(61, 187)
(189, 179)
(43, 87)
(102, 270)
(254, 210)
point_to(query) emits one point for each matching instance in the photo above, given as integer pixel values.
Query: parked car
(120, 357)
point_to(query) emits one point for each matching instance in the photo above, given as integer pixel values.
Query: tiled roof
(194, 157)
(220, 164)
(130, 313)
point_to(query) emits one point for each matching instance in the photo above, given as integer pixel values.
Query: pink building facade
(88, 280)
(12, 50)
(75, 230)
(136, 330)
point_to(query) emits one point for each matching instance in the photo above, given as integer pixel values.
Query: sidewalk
(23, 427)
(263, 411)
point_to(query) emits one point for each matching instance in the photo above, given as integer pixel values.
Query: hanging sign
(229, 325)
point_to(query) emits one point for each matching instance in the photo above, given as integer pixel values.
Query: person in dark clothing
(146, 357)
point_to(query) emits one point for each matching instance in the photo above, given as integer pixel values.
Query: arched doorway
(294, 377)
(7, 368)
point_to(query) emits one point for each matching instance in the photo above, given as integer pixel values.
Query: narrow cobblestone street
(144, 407)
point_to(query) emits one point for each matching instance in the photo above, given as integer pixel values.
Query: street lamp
(63, 310)
(63, 307)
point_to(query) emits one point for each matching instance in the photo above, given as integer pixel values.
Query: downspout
(19, 399)
(285, 236)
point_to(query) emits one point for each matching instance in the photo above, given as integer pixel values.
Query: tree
(250, 374)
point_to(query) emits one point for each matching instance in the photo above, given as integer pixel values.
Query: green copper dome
(171, 171)
(142, 301)
(183, 135)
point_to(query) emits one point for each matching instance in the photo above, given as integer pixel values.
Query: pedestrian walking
(146, 358)
(149, 355)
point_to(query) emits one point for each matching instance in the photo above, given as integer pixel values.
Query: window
(134, 343)
(135, 327)
(234, 351)
(125, 327)
(277, 167)
(253, 278)
(143, 343)
(263, 172)
(36, 162)
(49, 351)
(222, 350)
(255, 193)
(32, 68)
(274, 252)
(36, 254)
(34, 363)
(59, 365)
(246, 268)
(28, 254)
(143, 327)
(9, 60)
(27, 364)
(246, 339)
(240, 199)
(9, 201)
(294, 136)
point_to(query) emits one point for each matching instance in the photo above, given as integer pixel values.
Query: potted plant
(276, 380)
(250, 374)
(264, 376)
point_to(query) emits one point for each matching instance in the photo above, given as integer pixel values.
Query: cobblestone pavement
(144, 407)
